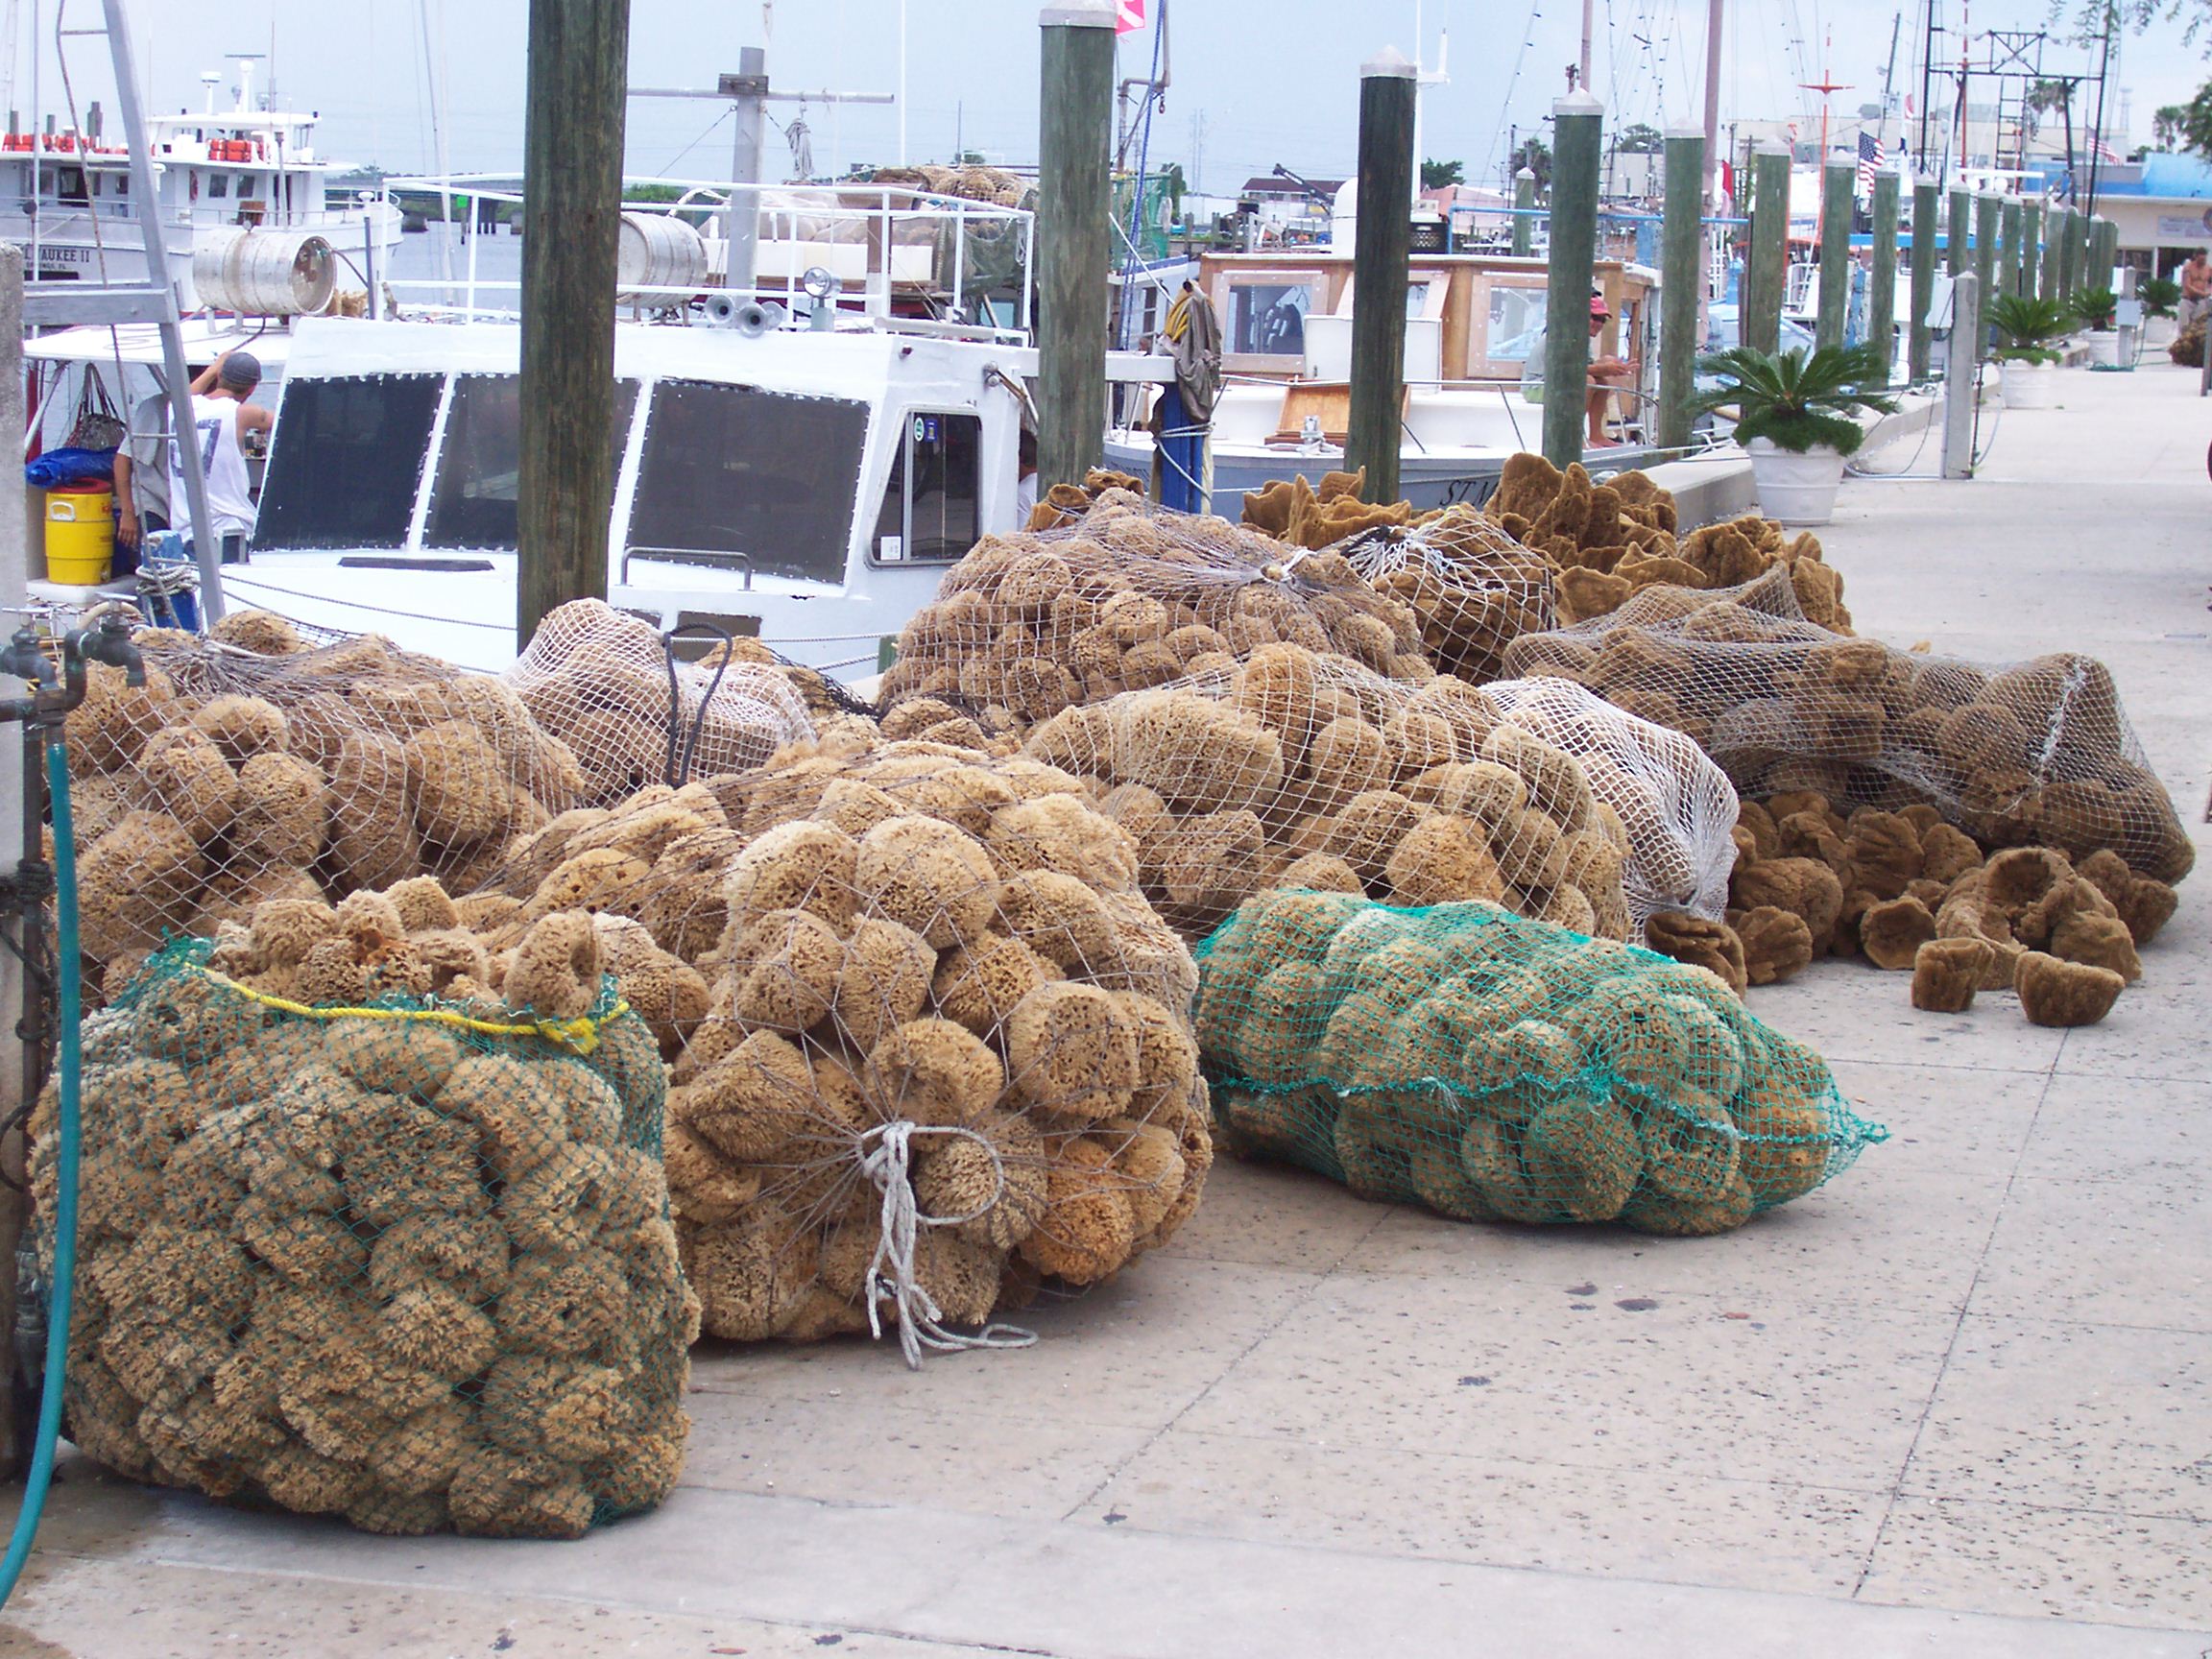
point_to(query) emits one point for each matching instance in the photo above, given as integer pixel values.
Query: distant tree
(2166, 125)
(1536, 155)
(1641, 139)
(1436, 175)
(2197, 122)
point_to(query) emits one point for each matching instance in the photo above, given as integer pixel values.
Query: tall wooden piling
(1577, 143)
(1525, 212)
(1987, 218)
(1680, 259)
(1925, 231)
(1960, 239)
(1074, 212)
(2009, 221)
(1767, 262)
(2030, 259)
(2051, 273)
(1382, 251)
(571, 214)
(1882, 271)
(1839, 180)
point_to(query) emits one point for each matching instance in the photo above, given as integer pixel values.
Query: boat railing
(888, 236)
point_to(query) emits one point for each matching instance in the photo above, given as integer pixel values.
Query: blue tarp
(58, 466)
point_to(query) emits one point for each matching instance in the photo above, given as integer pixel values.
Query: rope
(887, 1163)
(580, 1034)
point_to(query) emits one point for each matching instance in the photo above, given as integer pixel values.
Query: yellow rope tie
(580, 1034)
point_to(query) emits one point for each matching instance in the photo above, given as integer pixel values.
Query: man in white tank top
(221, 417)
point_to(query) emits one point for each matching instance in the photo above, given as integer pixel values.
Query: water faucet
(111, 643)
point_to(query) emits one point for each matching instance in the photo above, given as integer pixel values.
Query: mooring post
(1766, 260)
(1524, 213)
(2029, 261)
(1881, 273)
(2007, 249)
(1962, 375)
(1681, 282)
(1925, 231)
(2069, 262)
(1381, 250)
(2051, 266)
(1577, 134)
(1960, 241)
(1074, 209)
(571, 216)
(1987, 216)
(1839, 180)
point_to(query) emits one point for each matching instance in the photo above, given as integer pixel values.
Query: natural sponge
(2058, 992)
(1946, 972)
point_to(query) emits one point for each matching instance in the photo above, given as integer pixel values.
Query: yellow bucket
(80, 537)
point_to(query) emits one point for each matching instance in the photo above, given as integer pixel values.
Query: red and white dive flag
(1128, 14)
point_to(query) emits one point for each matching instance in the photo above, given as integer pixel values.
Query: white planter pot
(2158, 332)
(1795, 488)
(2103, 347)
(2031, 385)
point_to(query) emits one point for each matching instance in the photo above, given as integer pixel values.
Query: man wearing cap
(1607, 375)
(221, 417)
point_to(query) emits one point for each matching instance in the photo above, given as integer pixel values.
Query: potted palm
(2161, 297)
(2024, 326)
(2094, 308)
(1793, 412)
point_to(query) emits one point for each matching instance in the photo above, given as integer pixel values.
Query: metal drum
(658, 251)
(264, 273)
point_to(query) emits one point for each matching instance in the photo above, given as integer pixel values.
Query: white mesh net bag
(1301, 769)
(1677, 806)
(1131, 596)
(1473, 587)
(602, 681)
(2036, 753)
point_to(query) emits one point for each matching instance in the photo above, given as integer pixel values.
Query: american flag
(1869, 161)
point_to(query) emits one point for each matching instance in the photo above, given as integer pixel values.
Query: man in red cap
(1607, 375)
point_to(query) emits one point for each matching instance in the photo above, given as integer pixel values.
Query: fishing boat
(225, 180)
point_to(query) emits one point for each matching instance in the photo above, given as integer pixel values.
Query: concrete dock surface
(1959, 1405)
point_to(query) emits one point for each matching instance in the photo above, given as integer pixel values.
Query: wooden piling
(1882, 269)
(1681, 260)
(1767, 262)
(571, 214)
(1074, 212)
(1382, 252)
(1577, 124)
(1838, 183)
(1925, 209)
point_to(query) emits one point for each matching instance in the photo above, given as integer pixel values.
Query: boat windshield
(480, 463)
(347, 459)
(772, 476)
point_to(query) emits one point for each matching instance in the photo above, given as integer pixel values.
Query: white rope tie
(888, 1163)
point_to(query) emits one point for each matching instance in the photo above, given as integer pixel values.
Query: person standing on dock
(2196, 288)
(1607, 375)
(221, 417)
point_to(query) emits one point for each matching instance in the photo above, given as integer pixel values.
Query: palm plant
(2094, 307)
(2024, 324)
(2161, 296)
(1794, 401)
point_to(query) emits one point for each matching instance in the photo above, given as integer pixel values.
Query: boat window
(738, 469)
(930, 505)
(1516, 323)
(218, 185)
(480, 464)
(344, 460)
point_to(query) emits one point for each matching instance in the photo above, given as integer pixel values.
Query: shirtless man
(2196, 288)
(1607, 375)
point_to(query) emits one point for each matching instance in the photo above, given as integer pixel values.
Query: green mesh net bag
(407, 1262)
(1496, 1069)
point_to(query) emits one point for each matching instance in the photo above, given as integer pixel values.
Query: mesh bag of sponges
(2038, 753)
(256, 766)
(1473, 587)
(1495, 1068)
(945, 1058)
(1130, 596)
(600, 680)
(1300, 769)
(407, 1262)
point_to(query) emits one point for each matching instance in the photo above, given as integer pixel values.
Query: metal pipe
(742, 227)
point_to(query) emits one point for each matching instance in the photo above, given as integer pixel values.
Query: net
(601, 681)
(1473, 587)
(1496, 1068)
(1127, 597)
(945, 1058)
(1301, 769)
(2038, 753)
(1611, 540)
(399, 1255)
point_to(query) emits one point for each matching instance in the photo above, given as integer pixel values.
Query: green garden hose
(65, 1197)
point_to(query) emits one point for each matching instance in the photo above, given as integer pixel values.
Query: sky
(1253, 81)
